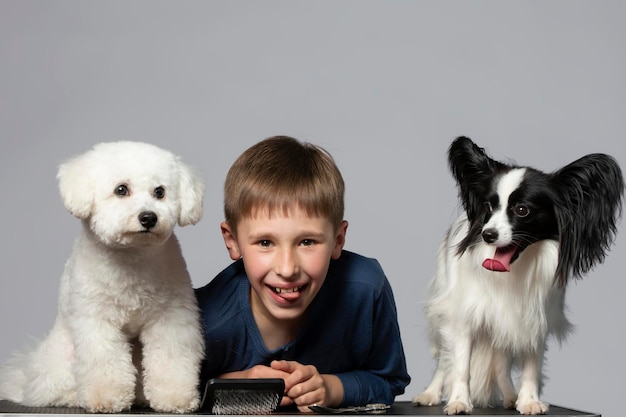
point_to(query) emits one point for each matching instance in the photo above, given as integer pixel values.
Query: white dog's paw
(458, 407)
(427, 398)
(532, 407)
(175, 402)
(106, 398)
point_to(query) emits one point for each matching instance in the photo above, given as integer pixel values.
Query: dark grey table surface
(404, 408)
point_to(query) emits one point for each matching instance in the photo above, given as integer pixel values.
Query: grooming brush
(242, 396)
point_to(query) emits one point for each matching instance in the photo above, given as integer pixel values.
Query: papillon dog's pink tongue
(501, 261)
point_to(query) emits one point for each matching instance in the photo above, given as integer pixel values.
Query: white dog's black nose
(148, 219)
(490, 235)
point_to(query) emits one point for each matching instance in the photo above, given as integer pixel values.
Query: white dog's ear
(191, 191)
(76, 187)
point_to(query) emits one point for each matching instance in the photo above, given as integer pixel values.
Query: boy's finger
(285, 401)
(285, 366)
(260, 371)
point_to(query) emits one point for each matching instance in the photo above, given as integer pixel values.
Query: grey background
(383, 85)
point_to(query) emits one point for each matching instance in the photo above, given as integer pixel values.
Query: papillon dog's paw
(509, 403)
(427, 398)
(458, 407)
(532, 407)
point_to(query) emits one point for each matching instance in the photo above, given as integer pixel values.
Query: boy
(294, 305)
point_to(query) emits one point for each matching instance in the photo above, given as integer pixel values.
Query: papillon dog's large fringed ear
(473, 171)
(591, 190)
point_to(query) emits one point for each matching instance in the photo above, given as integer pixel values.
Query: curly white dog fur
(127, 330)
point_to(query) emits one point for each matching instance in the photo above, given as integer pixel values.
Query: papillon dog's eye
(121, 190)
(488, 207)
(159, 193)
(521, 210)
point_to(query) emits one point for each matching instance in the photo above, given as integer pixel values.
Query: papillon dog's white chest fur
(512, 307)
(499, 290)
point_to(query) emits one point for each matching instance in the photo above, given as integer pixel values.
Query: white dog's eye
(121, 190)
(159, 193)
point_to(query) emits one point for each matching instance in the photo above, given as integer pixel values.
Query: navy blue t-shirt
(351, 330)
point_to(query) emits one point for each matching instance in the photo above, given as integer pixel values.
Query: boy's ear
(230, 241)
(340, 239)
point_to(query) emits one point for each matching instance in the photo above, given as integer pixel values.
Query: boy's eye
(307, 242)
(265, 243)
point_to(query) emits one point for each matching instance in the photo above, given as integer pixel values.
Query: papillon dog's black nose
(147, 219)
(490, 235)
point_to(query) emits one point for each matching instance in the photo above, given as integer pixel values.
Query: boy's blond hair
(280, 173)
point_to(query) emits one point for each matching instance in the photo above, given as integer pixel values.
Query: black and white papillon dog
(499, 289)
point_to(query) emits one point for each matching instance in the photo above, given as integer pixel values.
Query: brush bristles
(244, 402)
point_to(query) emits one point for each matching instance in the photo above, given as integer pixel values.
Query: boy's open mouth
(292, 290)
(287, 294)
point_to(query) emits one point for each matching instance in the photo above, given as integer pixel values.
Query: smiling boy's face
(286, 258)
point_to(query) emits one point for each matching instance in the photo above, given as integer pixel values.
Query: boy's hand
(305, 386)
(257, 371)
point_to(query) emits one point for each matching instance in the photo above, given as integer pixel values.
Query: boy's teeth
(286, 290)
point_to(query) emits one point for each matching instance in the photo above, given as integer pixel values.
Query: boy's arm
(334, 387)
(384, 374)
(364, 387)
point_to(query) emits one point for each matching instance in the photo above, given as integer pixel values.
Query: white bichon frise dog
(128, 329)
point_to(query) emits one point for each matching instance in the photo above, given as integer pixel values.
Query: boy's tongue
(287, 294)
(501, 261)
(290, 296)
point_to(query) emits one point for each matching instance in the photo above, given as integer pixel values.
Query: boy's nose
(287, 264)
